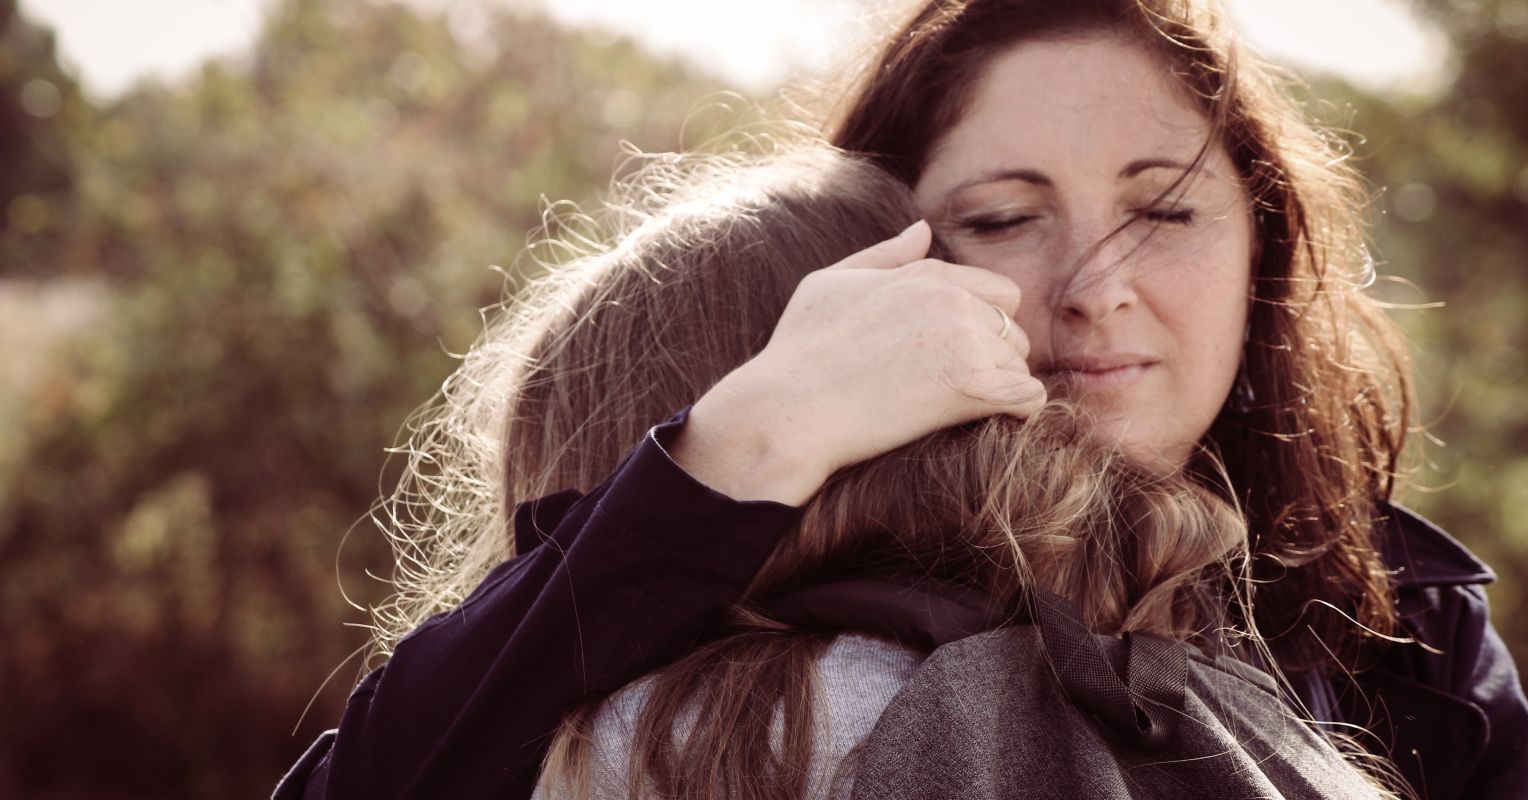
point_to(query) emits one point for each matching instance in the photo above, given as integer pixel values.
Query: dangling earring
(1242, 396)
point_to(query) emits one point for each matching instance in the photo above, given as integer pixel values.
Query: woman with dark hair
(1173, 248)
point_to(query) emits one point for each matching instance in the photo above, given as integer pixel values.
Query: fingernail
(913, 227)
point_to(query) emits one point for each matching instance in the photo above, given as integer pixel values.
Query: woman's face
(1064, 142)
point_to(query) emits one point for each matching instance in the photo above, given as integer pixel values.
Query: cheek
(1022, 263)
(1211, 266)
(1204, 294)
(1027, 270)
(1201, 293)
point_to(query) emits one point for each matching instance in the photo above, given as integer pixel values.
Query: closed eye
(1175, 216)
(987, 226)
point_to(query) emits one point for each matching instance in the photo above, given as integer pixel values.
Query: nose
(1097, 278)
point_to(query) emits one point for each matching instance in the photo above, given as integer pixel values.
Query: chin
(1143, 442)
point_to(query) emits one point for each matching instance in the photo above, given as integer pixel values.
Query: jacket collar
(1419, 553)
(927, 614)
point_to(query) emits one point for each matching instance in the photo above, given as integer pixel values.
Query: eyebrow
(1038, 178)
(1026, 175)
(1138, 166)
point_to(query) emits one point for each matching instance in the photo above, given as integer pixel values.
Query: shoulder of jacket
(1421, 554)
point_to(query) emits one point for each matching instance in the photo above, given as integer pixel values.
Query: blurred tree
(40, 107)
(293, 242)
(1452, 216)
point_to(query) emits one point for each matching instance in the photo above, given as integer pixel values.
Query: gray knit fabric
(858, 675)
(986, 717)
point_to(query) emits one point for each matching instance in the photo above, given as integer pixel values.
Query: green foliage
(1452, 220)
(273, 260)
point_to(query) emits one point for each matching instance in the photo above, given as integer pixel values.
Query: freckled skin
(1045, 164)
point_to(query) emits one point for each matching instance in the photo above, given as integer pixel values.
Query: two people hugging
(1026, 435)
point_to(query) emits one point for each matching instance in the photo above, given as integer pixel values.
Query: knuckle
(1015, 295)
(1009, 296)
(1019, 341)
(1016, 390)
(997, 280)
(966, 375)
(813, 280)
(945, 296)
(976, 340)
(917, 270)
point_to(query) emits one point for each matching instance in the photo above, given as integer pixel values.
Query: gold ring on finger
(1007, 322)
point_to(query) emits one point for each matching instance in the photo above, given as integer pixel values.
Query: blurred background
(239, 241)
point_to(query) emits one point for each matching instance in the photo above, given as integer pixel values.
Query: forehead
(1069, 106)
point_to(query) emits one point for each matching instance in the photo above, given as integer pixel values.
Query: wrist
(740, 442)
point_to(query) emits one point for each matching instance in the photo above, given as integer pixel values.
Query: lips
(1097, 371)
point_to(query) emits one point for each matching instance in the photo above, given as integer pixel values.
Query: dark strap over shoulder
(1134, 684)
(1036, 706)
(924, 616)
(1141, 703)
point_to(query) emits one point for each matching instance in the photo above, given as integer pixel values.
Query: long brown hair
(1313, 454)
(999, 505)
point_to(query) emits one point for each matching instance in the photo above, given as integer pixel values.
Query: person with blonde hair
(1169, 244)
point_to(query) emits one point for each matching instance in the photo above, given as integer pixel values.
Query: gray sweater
(857, 676)
(1009, 715)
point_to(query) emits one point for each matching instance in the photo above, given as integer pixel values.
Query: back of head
(1005, 505)
(678, 280)
(705, 253)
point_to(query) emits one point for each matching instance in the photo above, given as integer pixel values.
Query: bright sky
(1375, 43)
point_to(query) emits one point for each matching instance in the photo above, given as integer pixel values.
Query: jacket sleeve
(1450, 710)
(1450, 707)
(625, 580)
(1483, 673)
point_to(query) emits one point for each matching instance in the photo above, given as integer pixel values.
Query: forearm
(630, 576)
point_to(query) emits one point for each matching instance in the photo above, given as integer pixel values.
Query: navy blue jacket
(622, 580)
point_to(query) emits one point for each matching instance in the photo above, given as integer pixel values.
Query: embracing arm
(629, 576)
(871, 353)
